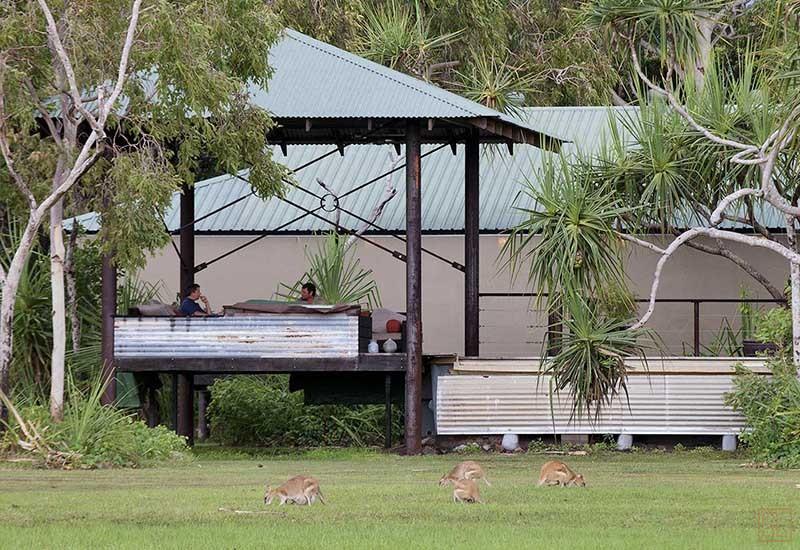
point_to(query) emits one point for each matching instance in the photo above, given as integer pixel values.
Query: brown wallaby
(468, 469)
(465, 490)
(297, 490)
(556, 472)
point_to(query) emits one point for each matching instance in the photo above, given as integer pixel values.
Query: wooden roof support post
(471, 246)
(413, 420)
(186, 238)
(108, 307)
(185, 419)
(184, 422)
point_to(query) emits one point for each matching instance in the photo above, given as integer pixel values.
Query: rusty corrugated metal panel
(251, 336)
(659, 404)
(655, 365)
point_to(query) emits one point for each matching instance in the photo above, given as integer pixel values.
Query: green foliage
(771, 406)
(396, 35)
(494, 82)
(260, 410)
(775, 327)
(668, 26)
(142, 190)
(590, 367)
(30, 367)
(535, 44)
(184, 107)
(616, 302)
(567, 240)
(337, 273)
(90, 436)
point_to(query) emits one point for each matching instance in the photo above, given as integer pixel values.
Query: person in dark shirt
(308, 294)
(189, 305)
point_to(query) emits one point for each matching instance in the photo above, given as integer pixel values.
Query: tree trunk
(72, 288)
(59, 311)
(7, 302)
(705, 45)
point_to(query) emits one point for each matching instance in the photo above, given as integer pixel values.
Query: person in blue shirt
(189, 305)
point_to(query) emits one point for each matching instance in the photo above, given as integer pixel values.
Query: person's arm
(206, 304)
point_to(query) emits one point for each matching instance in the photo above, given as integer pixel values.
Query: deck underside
(365, 362)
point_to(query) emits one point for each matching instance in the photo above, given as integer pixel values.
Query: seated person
(189, 305)
(308, 294)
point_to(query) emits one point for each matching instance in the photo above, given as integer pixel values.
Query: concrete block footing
(624, 442)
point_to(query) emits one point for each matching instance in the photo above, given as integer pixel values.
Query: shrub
(260, 410)
(775, 327)
(771, 407)
(90, 436)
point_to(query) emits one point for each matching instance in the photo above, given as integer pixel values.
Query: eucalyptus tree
(722, 144)
(124, 98)
(714, 150)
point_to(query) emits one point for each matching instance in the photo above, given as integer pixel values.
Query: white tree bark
(57, 360)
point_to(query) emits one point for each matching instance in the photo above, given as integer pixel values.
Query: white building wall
(508, 329)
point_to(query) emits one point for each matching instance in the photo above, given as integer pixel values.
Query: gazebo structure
(320, 94)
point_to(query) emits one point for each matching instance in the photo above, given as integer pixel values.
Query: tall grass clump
(90, 436)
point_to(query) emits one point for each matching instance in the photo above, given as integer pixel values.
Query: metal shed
(320, 94)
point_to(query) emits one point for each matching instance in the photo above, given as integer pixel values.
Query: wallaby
(297, 490)
(556, 472)
(468, 469)
(465, 490)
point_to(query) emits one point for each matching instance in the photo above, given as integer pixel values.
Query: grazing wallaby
(556, 472)
(465, 490)
(468, 469)
(297, 490)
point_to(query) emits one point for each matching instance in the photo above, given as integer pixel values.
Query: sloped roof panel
(332, 83)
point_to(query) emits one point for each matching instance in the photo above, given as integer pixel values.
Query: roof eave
(516, 133)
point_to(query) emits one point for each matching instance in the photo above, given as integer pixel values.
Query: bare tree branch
(389, 193)
(751, 149)
(717, 214)
(642, 243)
(714, 233)
(5, 148)
(725, 252)
(58, 47)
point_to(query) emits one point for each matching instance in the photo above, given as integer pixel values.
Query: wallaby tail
(319, 494)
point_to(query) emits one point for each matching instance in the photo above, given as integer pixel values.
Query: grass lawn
(680, 500)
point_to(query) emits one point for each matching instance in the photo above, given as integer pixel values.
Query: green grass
(680, 500)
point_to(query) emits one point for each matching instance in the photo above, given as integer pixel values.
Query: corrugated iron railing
(659, 404)
(237, 336)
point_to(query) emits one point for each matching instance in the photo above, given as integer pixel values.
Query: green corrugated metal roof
(501, 177)
(313, 79)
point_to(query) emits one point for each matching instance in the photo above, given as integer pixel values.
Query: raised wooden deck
(364, 362)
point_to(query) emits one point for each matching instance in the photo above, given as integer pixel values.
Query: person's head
(193, 291)
(308, 292)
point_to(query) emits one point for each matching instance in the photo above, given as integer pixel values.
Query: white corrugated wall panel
(659, 404)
